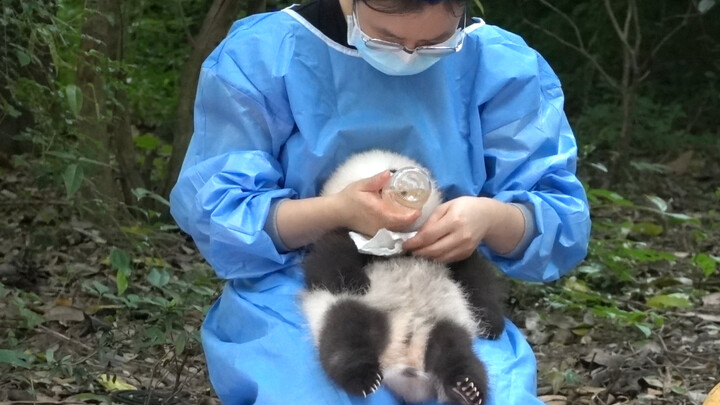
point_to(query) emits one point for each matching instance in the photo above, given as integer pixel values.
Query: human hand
(364, 210)
(456, 228)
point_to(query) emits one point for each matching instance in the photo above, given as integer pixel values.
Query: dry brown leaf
(711, 300)
(554, 399)
(682, 164)
(713, 397)
(64, 314)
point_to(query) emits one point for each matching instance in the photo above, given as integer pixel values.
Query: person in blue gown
(289, 95)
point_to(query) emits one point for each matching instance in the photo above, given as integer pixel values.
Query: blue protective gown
(280, 105)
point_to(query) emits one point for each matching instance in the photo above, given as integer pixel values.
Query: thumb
(376, 182)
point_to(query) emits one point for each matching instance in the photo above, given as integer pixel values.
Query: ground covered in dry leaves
(111, 314)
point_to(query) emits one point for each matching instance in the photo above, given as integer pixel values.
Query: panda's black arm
(486, 292)
(334, 263)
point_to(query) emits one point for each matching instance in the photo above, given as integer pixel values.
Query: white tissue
(384, 243)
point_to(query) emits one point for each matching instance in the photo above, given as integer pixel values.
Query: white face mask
(397, 62)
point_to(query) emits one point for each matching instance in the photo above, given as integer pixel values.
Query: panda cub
(402, 321)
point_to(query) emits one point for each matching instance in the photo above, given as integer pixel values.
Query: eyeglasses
(458, 38)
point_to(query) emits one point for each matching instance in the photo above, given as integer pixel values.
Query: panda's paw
(468, 392)
(492, 325)
(359, 378)
(350, 345)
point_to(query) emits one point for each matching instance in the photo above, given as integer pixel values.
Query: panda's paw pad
(468, 392)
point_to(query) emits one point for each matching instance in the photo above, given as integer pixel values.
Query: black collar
(326, 16)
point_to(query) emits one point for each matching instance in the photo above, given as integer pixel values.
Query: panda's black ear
(392, 171)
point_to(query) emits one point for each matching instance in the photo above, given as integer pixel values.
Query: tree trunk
(214, 28)
(93, 120)
(120, 130)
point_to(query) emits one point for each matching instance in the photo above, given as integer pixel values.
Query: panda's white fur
(414, 292)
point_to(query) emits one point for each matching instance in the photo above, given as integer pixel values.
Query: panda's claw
(468, 392)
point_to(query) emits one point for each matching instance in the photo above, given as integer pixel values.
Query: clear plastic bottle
(408, 187)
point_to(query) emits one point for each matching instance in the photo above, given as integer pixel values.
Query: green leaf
(158, 278)
(647, 255)
(73, 179)
(23, 58)
(15, 358)
(101, 288)
(89, 396)
(708, 264)
(32, 319)
(658, 202)
(644, 329)
(122, 282)
(676, 300)
(120, 260)
(682, 217)
(147, 142)
(141, 193)
(75, 99)
(647, 228)
(599, 193)
(180, 343)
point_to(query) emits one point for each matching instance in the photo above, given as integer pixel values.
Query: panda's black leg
(450, 358)
(350, 344)
(485, 291)
(334, 263)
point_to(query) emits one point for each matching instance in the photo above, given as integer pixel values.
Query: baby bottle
(408, 187)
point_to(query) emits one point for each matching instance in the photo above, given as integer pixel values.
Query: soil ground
(67, 335)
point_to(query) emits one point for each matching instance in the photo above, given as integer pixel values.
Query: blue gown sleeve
(231, 177)
(530, 156)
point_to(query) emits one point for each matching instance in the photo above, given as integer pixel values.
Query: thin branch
(65, 338)
(613, 20)
(672, 32)
(569, 20)
(638, 30)
(183, 21)
(611, 81)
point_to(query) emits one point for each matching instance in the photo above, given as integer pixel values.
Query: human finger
(375, 183)
(431, 231)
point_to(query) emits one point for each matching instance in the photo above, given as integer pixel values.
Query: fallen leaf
(653, 382)
(713, 397)
(114, 383)
(586, 389)
(64, 314)
(553, 399)
(602, 357)
(711, 300)
(681, 165)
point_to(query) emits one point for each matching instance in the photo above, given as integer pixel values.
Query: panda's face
(368, 164)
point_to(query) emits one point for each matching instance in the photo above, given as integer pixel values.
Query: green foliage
(708, 264)
(73, 178)
(120, 261)
(624, 279)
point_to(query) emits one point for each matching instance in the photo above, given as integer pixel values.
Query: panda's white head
(370, 163)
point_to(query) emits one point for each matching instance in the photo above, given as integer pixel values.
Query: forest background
(101, 296)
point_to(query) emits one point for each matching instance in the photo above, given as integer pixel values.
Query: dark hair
(408, 6)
